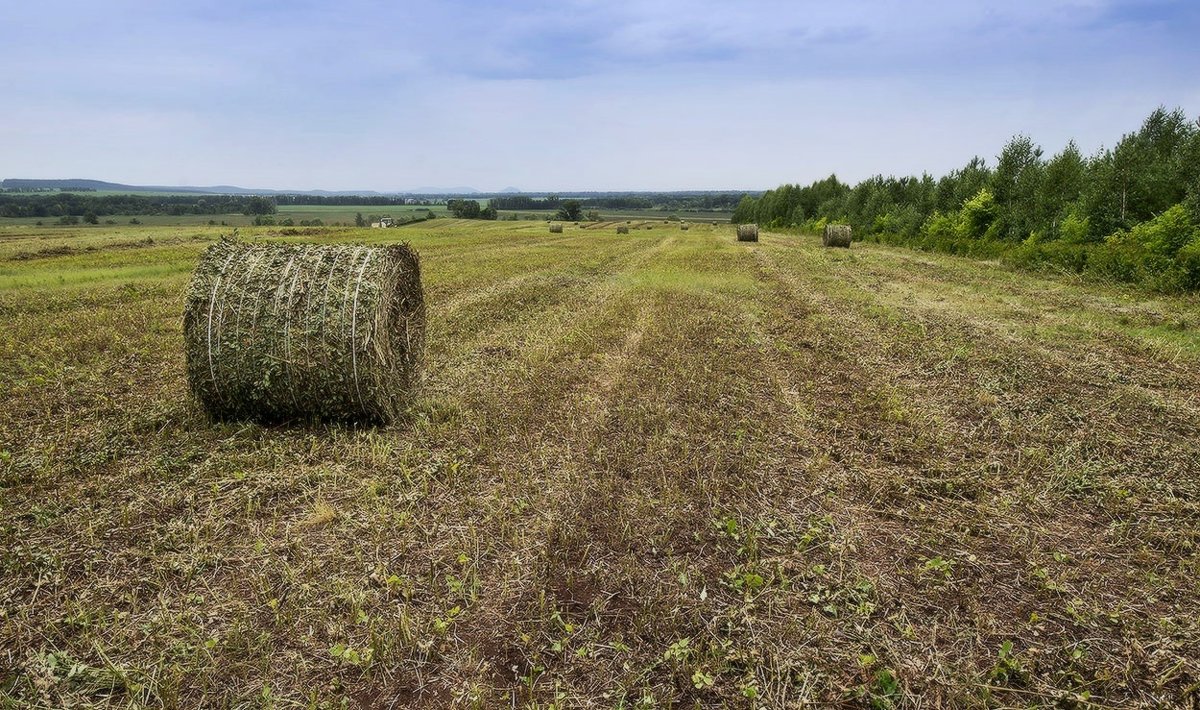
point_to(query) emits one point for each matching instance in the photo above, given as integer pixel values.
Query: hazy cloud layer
(571, 95)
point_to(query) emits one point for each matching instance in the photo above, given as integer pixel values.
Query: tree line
(66, 204)
(353, 200)
(1129, 213)
(566, 210)
(720, 201)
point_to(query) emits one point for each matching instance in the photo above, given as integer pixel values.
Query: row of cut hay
(279, 332)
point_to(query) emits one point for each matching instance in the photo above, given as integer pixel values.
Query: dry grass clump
(277, 332)
(747, 233)
(836, 235)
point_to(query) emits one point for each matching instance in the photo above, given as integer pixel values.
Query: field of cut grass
(662, 469)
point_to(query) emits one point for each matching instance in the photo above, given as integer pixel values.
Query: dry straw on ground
(836, 235)
(556, 229)
(277, 332)
(747, 233)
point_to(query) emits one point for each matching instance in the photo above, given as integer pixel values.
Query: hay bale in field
(622, 229)
(836, 235)
(747, 233)
(277, 332)
(683, 226)
(556, 229)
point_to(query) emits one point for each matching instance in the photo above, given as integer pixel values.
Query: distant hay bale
(622, 229)
(836, 235)
(747, 233)
(714, 223)
(683, 226)
(556, 229)
(277, 332)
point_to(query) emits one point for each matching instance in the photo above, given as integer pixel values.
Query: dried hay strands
(836, 235)
(279, 332)
(747, 233)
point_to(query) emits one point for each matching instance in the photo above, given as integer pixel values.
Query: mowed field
(662, 469)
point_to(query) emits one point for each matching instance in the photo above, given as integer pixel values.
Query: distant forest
(83, 202)
(1129, 213)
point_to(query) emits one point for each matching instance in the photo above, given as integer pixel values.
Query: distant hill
(82, 184)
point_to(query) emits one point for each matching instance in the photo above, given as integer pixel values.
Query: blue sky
(572, 95)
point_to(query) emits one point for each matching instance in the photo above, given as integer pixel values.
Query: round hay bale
(683, 226)
(279, 332)
(747, 233)
(622, 229)
(556, 229)
(836, 235)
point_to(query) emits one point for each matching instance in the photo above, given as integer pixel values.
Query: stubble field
(662, 469)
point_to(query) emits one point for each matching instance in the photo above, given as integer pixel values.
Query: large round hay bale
(836, 235)
(747, 233)
(683, 226)
(622, 229)
(278, 332)
(556, 229)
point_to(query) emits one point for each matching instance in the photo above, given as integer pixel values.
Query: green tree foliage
(1129, 213)
(570, 211)
(464, 209)
(1015, 184)
(259, 205)
(1062, 183)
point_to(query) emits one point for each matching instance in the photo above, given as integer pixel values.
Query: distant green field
(328, 214)
(331, 214)
(610, 215)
